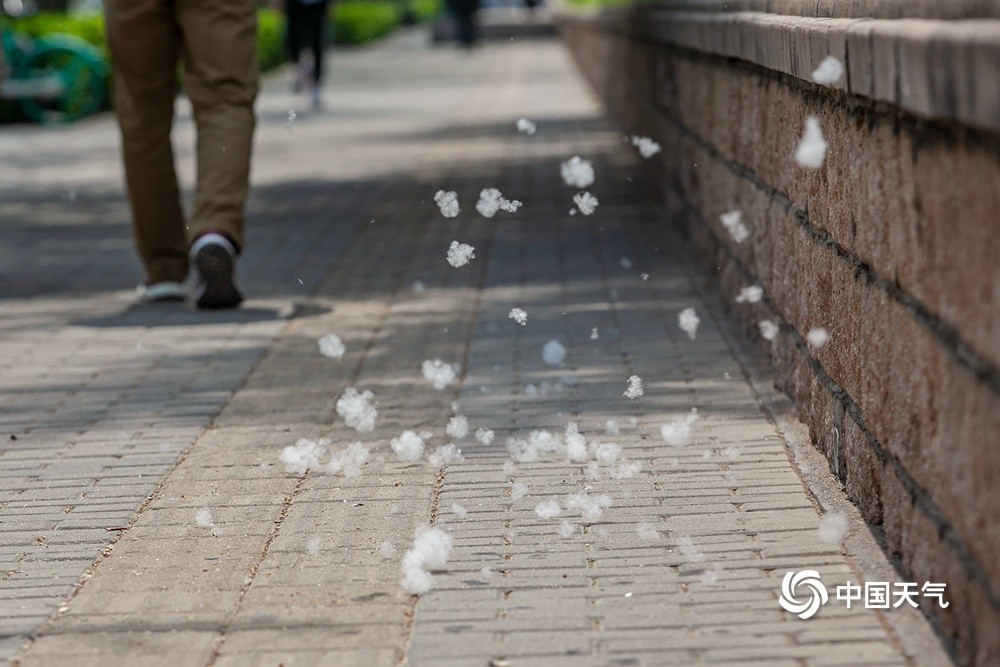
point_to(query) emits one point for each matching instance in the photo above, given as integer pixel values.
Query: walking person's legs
(220, 76)
(464, 12)
(474, 6)
(144, 42)
(293, 40)
(466, 27)
(317, 43)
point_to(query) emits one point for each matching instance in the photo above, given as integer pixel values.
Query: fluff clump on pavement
(447, 202)
(690, 552)
(710, 576)
(303, 455)
(577, 172)
(430, 551)
(485, 436)
(647, 147)
(438, 373)
(811, 151)
(647, 532)
(585, 202)
(538, 442)
(548, 509)
(521, 450)
(445, 455)
(576, 443)
(625, 469)
(751, 294)
(591, 507)
(491, 201)
(688, 321)
(607, 453)
(553, 353)
(525, 126)
(331, 346)
(635, 388)
(460, 254)
(349, 461)
(357, 410)
(458, 427)
(518, 316)
(768, 329)
(677, 431)
(733, 222)
(408, 445)
(833, 527)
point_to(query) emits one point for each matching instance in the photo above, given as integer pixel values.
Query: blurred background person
(3, 64)
(465, 14)
(306, 30)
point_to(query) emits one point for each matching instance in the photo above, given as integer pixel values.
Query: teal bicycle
(53, 79)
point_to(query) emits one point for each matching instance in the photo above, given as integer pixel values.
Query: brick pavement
(140, 418)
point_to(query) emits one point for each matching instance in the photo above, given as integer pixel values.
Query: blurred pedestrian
(466, 21)
(305, 28)
(216, 40)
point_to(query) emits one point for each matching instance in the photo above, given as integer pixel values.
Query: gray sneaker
(215, 259)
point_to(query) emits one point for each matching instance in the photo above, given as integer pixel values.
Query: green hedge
(270, 39)
(424, 10)
(90, 27)
(361, 21)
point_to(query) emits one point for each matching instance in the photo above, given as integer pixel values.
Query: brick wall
(893, 246)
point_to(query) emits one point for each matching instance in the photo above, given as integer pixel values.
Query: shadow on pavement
(181, 315)
(549, 129)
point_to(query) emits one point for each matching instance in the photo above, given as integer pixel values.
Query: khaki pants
(217, 41)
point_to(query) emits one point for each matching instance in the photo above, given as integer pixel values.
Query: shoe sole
(171, 298)
(218, 288)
